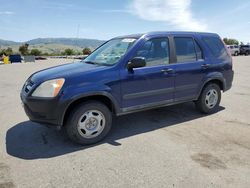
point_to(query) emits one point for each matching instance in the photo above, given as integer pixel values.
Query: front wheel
(209, 99)
(89, 123)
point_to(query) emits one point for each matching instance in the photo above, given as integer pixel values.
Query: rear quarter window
(215, 46)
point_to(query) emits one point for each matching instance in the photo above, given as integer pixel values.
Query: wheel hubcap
(211, 98)
(91, 124)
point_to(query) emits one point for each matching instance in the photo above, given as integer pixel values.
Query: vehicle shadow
(28, 140)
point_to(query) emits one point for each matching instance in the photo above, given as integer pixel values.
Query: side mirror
(136, 62)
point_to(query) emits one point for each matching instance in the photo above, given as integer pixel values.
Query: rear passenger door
(191, 67)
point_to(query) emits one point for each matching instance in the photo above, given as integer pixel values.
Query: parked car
(234, 49)
(129, 74)
(15, 58)
(40, 58)
(245, 49)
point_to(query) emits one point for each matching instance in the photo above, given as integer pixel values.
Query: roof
(137, 36)
(131, 36)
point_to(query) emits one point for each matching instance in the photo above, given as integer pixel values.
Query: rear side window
(216, 46)
(187, 50)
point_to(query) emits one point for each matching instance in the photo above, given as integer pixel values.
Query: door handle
(205, 66)
(169, 70)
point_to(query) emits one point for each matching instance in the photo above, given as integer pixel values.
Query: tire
(236, 53)
(204, 104)
(247, 53)
(89, 123)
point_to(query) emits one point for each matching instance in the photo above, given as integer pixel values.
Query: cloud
(6, 13)
(175, 12)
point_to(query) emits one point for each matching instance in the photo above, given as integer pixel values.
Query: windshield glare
(111, 52)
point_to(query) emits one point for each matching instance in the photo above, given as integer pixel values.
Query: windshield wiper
(95, 63)
(91, 62)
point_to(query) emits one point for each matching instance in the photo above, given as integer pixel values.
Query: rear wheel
(209, 99)
(236, 53)
(89, 123)
(247, 53)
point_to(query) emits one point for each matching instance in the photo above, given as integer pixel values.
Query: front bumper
(45, 111)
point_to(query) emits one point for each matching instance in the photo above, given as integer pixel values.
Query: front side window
(155, 51)
(111, 52)
(186, 50)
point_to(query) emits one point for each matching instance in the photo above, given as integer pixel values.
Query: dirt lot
(169, 147)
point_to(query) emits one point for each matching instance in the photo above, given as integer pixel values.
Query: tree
(68, 51)
(2, 51)
(35, 52)
(229, 41)
(86, 51)
(24, 49)
(7, 51)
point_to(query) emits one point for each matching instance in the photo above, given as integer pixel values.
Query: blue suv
(129, 74)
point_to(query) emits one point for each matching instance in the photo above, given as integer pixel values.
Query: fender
(89, 94)
(96, 93)
(212, 76)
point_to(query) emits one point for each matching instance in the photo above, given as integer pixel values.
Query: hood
(65, 71)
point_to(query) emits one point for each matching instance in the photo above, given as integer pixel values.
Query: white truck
(234, 49)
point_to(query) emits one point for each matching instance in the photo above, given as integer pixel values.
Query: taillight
(228, 52)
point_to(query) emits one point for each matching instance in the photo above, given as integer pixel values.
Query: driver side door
(152, 85)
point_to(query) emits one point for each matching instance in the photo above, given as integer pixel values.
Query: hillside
(7, 42)
(49, 48)
(53, 45)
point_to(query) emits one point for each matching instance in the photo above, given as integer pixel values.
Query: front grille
(28, 86)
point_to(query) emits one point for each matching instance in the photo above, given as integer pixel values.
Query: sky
(104, 19)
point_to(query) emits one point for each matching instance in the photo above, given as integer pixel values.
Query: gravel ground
(169, 147)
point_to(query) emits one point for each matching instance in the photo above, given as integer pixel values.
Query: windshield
(111, 52)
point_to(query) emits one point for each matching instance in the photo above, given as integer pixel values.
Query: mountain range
(53, 45)
(80, 42)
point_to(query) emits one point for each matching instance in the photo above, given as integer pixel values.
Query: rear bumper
(229, 81)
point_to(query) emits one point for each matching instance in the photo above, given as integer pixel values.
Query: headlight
(49, 88)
